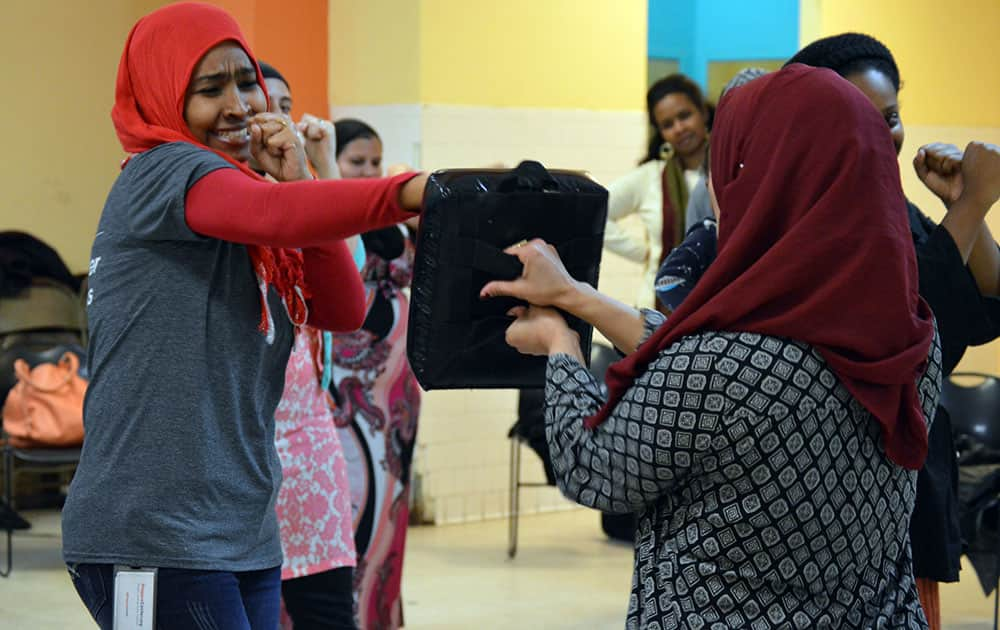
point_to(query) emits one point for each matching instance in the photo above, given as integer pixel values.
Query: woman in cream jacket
(660, 186)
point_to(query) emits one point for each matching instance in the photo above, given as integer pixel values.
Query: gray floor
(565, 576)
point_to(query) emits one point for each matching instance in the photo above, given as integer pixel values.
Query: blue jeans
(205, 600)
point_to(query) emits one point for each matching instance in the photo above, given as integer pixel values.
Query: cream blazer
(638, 192)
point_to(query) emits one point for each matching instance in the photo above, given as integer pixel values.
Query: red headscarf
(814, 245)
(160, 56)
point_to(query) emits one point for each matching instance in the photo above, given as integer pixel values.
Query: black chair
(17, 461)
(973, 403)
(10, 521)
(530, 429)
(38, 325)
(974, 408)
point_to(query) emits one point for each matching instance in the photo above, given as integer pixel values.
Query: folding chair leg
(515, 490)
(10, 554)
(8, 495)
(996, 592)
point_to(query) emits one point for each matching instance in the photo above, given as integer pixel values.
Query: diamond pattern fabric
(764, 496)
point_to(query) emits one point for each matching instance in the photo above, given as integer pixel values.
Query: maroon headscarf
(160, 56)
(814, 246)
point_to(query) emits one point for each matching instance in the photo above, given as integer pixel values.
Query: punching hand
(277, 148)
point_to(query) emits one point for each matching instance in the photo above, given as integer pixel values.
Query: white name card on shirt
(135, 597)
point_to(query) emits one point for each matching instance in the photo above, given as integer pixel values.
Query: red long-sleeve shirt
(313, 215)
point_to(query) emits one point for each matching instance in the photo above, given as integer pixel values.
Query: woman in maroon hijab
(768, 433)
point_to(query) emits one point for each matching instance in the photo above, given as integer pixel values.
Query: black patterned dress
(764, 495)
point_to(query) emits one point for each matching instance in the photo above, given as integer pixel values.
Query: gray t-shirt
(179, 467)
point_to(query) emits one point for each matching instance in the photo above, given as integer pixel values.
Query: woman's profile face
(879, 89)
(222, 96)
(279, 97)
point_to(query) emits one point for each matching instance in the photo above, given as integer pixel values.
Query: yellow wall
(575, 54)
(810, 20)
(951, 93)
(947, 54)
(60, 151)
(61, 57)
(374, 55)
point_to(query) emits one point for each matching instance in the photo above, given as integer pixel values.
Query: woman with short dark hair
(959, 269)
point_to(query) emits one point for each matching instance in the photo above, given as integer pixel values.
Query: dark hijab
(814, 246)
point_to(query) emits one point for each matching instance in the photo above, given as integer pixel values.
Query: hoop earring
(666, 151)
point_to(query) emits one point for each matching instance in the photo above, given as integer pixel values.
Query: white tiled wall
(606, 143)
(430, 137)
(462, 458)
(397, 125)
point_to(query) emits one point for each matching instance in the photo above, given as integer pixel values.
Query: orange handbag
(45, 408)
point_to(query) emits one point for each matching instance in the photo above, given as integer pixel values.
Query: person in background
(683, 267)
(699, 208)
(314, 504)
(200, 272)
(959, 266)
(319, 137)
(659, 188)
(677, 275)
(377, 399)
(769, 431)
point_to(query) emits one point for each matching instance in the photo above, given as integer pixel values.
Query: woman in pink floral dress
(377, 401)
(314, 504)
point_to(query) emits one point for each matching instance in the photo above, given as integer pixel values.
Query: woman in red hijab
(768, 433)
(200, 272)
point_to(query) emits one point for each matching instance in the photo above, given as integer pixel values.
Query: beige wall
(947, 53)
(569, 54)
(462, 460)
(374, 55)
(61, 58)
(463, 455)
(517, 53)
(60, 151)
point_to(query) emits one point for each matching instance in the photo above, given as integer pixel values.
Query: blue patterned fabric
(685, 265)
